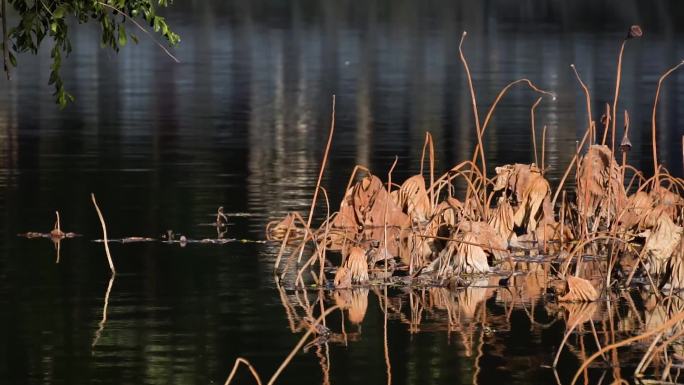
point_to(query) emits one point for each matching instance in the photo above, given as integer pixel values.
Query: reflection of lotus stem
(580, 318)
(387, 360)
(98, 333)
(58, 247)
(676, 318)
(104, 232)
(299, 345)
(239, 361)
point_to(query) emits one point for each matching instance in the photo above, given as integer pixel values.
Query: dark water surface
(241, 123)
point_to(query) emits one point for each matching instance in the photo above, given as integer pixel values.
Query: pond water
(241, 123)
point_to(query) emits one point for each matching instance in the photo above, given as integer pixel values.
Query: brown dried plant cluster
(617, 228)
(422, 232)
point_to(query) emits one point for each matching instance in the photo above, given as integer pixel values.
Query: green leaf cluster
(39, 19)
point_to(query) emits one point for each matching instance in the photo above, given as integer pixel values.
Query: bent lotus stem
(654, 137)
(534, 134)
(104, 232)
(476, 116)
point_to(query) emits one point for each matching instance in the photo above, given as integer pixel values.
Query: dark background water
(242, 122)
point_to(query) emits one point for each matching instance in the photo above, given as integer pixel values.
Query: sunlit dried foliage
(617, 228)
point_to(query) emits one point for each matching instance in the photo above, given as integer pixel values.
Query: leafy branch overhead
(38, 19)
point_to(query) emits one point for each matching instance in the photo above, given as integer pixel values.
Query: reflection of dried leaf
(579, 313)
(355, 301)
(357, 264)
(579, 290)
(472, 296)
(413, 198)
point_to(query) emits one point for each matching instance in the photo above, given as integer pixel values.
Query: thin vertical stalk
(653, 120)
(587, 97)
(5, 39)
(475, 116)
(567, 170)
(617, 93)
(492, 108)
(384, 219)
(624, 150)
(543, 156)
(606, 124)
(320, 173)
(534, 134)
(104, 231)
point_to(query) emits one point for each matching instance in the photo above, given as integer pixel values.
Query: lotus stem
(617, 93)
(104, 232)
(534, 134)
(320, 173)
(654, 137)
(543, 152)
(243, 361)
(587, 96)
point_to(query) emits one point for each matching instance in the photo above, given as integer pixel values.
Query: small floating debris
(127, 240)
(56, 233)
(182, 240)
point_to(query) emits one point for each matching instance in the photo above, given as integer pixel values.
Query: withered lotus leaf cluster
(444, 229)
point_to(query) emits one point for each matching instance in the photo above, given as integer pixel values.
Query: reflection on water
(241, 123)
(492, 326)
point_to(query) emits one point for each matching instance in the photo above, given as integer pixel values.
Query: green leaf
(122, 35)
(59, 12)
(39, 19)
